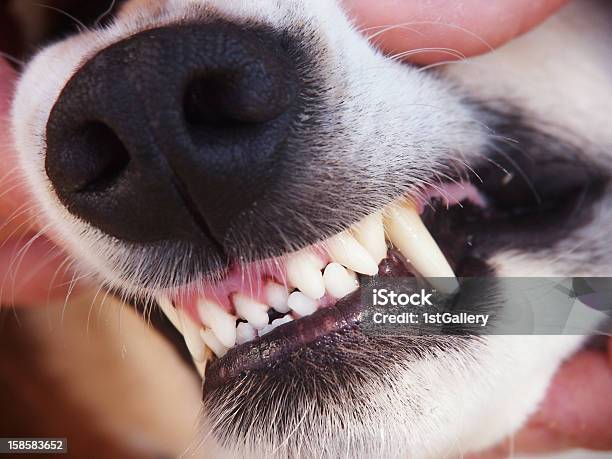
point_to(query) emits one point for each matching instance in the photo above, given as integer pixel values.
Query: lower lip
(326, 323)
(283, 341)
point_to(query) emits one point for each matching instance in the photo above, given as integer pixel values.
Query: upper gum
(247, 279)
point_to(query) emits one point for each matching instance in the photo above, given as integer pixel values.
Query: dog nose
(174, 132)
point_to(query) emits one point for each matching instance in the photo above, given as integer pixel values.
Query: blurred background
(94, 371)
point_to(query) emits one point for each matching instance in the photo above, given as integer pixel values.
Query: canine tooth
(276, 295)
(304, 272)
(191, 334)
(245, 333)
(275, 323)
(338, 281)
(219, 321)
(213, 342)
(370, 233)
(408, 233)
(302, 304)
(252, 311)
(345, 249)
(165, 304)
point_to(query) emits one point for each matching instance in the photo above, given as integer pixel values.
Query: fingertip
(440, 30)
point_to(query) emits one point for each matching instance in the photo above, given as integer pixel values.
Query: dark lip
(327, 325)
(286, 339)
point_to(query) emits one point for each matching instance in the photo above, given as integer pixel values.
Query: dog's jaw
(432, 407)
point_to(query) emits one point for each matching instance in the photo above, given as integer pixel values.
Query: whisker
(65, 13)
(411, 52)
(106, 13)
(12, 59)
(406, 26)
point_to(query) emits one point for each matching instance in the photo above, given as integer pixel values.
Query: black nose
(174, 132)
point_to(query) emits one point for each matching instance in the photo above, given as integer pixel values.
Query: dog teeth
(250, 310)
(245, 332)
(276, 296)
(219, 321)
(304, 273)
(213, 342)
(370, 233)
(281, 320)
(338, 281)
(345, 249)
(275, 323)
(408, 233)
(301, 304)
(191, 335)
(358, 250)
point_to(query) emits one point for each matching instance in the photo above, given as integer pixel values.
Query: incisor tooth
(345, 249)
(245, 333)
(301, 304)
(191, 334)
(370, 233)
(252, 311)
(338, 281)
(276, 296)
(304, 272)
(408, 233)
(281, 320)
(275, 323)
(219, 321)
(213, 343)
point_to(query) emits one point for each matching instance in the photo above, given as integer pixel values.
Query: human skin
(455, 28)
(578, 409)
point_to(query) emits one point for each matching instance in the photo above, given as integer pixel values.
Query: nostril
(236, 97)
(92, 160)
(108, 157)
(208, 101)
